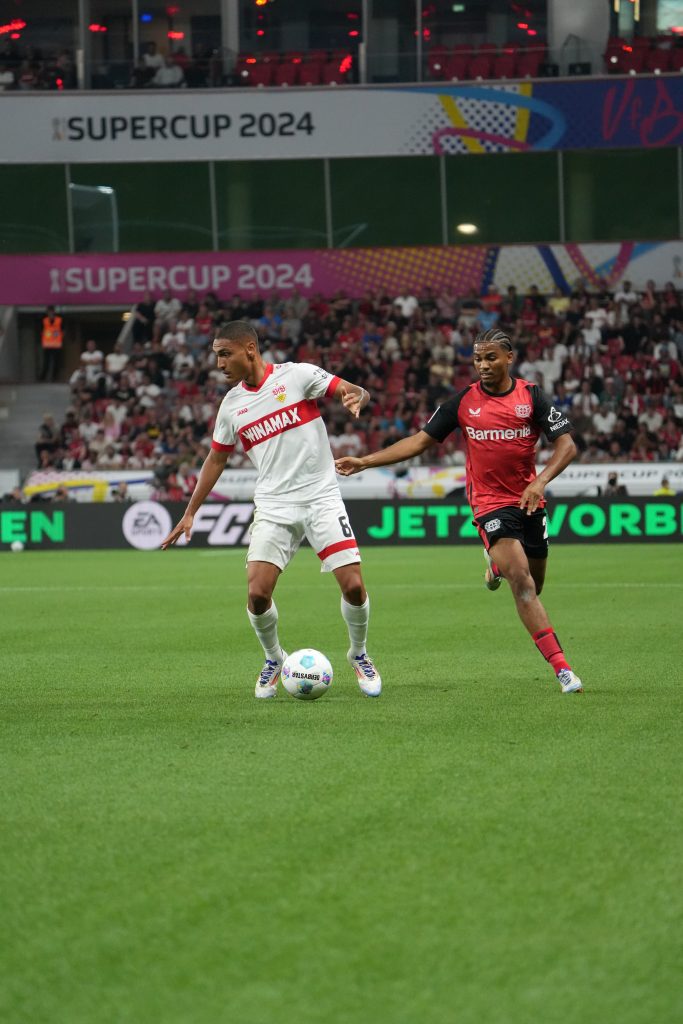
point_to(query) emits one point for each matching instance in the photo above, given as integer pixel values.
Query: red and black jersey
(501, 432)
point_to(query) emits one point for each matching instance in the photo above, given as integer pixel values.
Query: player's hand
(183, 527)
(532, 496)
(348, 465)
(351, 401)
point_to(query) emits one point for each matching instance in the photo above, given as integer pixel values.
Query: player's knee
(353, 590)
(521, 583)
(259, 598)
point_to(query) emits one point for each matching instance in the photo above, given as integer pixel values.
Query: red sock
(549, 646)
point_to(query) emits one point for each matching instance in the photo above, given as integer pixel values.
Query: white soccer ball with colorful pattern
(306, 674)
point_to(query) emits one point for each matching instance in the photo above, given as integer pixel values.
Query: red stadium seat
(456, 67)
(310, 73)
(261, 74)
(676, 59)
(529, 63)
(657, 60)
(332, 74)
(286, 74)
(632, 61)
(480, 66)
(505, 66)
(490, 48)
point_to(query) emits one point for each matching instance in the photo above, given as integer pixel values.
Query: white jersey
(280, 428)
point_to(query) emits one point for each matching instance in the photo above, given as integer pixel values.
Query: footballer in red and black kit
(501, 431)
(502, 418)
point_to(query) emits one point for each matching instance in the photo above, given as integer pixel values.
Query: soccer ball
(16, 546)
(306, 674)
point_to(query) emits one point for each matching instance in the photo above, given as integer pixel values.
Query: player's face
(492, 362)
(233, 360)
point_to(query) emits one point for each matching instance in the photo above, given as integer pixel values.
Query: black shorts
(530, 530)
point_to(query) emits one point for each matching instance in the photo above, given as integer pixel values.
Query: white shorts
(275, 536)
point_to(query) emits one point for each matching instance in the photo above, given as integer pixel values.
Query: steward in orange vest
(52, 335)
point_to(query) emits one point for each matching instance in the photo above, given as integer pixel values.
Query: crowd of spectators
(27, 68)
(611, 360)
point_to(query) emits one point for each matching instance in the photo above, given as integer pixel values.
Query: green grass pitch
(471, 848)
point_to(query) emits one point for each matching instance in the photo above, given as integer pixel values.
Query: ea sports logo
(145, 525)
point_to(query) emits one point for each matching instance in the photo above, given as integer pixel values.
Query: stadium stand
(28, 69)
(612, 361)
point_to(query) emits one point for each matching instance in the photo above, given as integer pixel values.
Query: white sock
(356, 617)
(265, 627)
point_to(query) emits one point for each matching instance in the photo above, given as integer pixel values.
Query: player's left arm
(318, 383)
(557, 428)
(352, 397)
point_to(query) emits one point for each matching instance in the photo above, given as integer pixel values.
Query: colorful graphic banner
(277, 124)
(641, 479)
(121, 279)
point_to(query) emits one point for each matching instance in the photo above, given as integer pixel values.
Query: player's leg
(535, 543)
(331, 537)
(271, 547)
(537, 568)
(355, 609)
(507, 533)
(510, 558)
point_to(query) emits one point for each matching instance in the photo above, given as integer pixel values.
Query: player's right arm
(406, 448)
(441, 424)
(209, 475)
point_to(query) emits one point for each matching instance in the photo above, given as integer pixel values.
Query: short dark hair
(238, 330)
(494, 337)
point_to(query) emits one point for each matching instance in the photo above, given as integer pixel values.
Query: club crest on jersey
(522, 411)
(280, 393)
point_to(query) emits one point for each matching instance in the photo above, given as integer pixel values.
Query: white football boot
(569, 682)
(266, 684)
(368, 677)
(491, 579)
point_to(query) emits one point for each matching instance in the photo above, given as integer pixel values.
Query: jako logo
(145, 524)
(509, 434)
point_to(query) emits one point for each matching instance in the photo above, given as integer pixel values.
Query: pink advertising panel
(121, 279)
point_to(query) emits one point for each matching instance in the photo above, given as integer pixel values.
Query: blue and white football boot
(367, 675)
(266, 684)
(569, 682)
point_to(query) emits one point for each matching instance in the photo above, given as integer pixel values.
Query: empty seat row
(459, 63)
(643, 55)
(316, 68)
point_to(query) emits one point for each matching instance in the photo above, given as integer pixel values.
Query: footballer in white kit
(273, 412)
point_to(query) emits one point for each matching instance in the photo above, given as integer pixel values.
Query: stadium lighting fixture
(467, 229)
